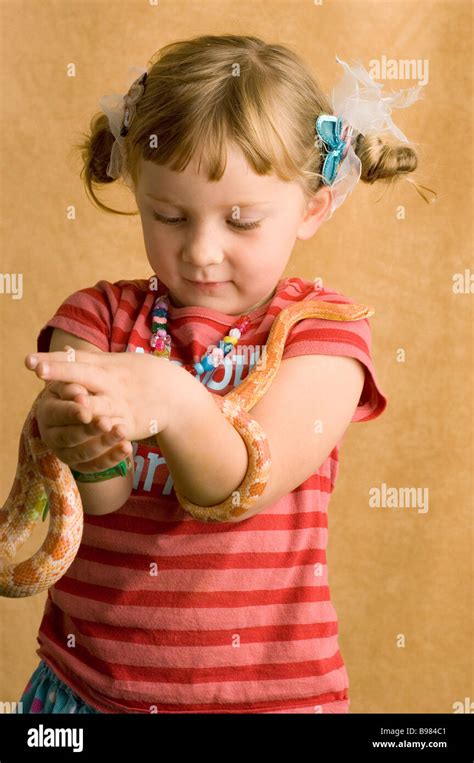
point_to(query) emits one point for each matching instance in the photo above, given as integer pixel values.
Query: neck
(262, 302)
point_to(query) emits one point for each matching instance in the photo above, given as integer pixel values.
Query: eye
(176, 220)
(167, 220)
(245, 226)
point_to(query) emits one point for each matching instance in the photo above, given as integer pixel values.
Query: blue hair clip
(329, 129)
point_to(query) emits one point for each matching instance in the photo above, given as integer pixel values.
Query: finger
(63, 414)
(97, 405)
(106, 423)
(60, 413)
(67, 391)
(71, 355)
(52, 389)
(106, 461)
(94, 378)
(77, 393)
(85, 453)
(67, 437)
(57, 412)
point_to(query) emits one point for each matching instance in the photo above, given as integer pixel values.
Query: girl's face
(238, 232)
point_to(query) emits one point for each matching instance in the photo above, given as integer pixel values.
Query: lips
(208, 285)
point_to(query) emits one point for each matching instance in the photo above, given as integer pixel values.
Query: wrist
(119, 470)
(169, 386)
(182, 395)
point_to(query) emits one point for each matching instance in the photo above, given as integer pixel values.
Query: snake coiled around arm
(41, 476)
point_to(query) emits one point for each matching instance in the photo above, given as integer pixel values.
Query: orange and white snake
(41, 476)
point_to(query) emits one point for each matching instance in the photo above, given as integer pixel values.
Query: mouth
(204, 285)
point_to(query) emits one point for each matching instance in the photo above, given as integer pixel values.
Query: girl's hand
(123, 387)
(87, 447)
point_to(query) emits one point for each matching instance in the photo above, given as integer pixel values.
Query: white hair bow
(361, 105)
(115, 106)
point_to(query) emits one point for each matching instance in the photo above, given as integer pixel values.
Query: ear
(314, 212)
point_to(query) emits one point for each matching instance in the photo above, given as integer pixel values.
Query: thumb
(71, 390)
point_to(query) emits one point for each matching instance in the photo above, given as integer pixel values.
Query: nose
(202, 248)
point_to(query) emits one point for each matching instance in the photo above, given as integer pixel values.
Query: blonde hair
(205, 91)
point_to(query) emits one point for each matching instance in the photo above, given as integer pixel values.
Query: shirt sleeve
(87, 314)
(315, 336)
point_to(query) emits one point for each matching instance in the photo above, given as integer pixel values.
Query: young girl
(161, 612)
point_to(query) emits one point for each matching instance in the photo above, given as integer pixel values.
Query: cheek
(153, 230)
(254, 265)
(160, 239)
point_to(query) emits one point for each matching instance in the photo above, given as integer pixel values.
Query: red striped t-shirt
(162, 613)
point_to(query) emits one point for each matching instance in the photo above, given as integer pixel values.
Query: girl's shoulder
(98, 311)
(125, 286)
(298, 289)
(318, 336)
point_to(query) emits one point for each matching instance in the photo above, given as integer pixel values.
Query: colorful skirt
(46, 693)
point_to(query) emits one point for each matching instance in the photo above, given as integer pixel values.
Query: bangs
(209, 94)
(203, 135)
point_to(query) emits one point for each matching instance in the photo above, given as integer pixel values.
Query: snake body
(41, 476)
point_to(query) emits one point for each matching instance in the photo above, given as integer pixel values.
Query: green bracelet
(120, 469)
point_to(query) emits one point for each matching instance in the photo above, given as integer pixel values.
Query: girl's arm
(104, 497)
(109, 495)
(304, 414)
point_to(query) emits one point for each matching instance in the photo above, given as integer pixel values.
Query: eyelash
(175, 220)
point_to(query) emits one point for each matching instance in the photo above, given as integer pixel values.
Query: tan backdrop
(400, 578)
